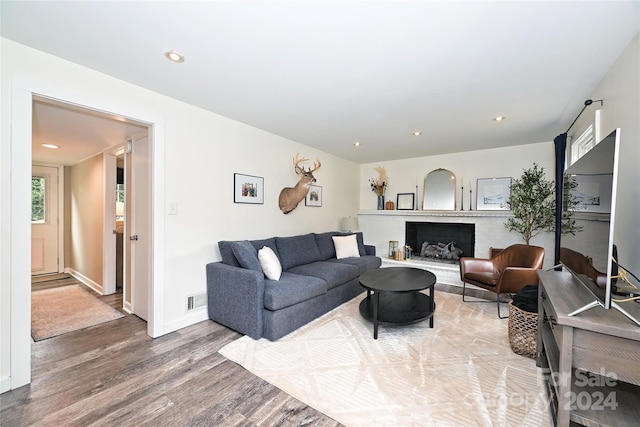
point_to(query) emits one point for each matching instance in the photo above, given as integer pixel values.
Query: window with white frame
(586, 140)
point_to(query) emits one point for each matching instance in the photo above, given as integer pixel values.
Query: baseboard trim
(5, 384)
(84, 279)
(188, 320)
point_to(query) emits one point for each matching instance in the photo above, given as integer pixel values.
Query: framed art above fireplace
(492, 194)
(405, 201)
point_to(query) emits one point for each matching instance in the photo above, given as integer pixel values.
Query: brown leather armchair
(582, 265)
(505, 273)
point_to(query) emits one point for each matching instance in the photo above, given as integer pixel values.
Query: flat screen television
(589, 253)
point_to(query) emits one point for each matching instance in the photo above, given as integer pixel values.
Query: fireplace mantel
(421, 213)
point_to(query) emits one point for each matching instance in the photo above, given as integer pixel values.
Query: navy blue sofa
(313, 282)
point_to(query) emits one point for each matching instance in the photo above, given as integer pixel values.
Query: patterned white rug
(460, 373)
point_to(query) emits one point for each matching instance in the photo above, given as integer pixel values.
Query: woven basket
(523, 331)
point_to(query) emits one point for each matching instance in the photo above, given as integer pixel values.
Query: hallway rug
(461, 372)
(65, 309)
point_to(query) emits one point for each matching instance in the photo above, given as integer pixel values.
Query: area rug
(65, 309)
(462, 372)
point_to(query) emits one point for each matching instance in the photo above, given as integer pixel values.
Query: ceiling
(330, 73)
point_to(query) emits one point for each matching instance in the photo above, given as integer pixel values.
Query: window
(588, 139)
(38, 200)
(582, 144)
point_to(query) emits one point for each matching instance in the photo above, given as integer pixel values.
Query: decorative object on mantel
(379, 185)
(470, 199)
(439, 190)
(532, 201)
(389, 206)
(462, 198)
(492, 194)
(405, 201)
(291, 196)
(248, 189)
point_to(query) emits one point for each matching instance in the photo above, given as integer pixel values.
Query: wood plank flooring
(114, 374)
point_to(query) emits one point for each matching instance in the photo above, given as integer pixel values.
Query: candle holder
(462, 198)
(470, 199)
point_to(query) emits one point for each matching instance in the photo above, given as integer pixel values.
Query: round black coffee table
(394, 297)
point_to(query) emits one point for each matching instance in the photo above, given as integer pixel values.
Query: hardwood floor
(114, 374)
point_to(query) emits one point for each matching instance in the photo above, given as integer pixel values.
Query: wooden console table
(591, 361)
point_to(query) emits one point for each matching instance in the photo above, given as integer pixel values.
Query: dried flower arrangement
(378, 185)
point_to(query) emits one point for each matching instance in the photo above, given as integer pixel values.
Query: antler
(297, 161)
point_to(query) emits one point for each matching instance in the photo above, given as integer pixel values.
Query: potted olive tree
(532, 202)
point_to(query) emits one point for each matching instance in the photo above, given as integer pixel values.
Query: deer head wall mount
(291, 196)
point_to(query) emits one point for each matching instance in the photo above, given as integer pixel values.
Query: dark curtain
(560, 143)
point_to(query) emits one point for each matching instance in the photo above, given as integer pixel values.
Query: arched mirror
(439, 191)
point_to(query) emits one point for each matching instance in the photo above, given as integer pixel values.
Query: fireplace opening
(446, 242)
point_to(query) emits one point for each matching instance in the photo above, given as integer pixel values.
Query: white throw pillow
(270, 263)
(346, 246)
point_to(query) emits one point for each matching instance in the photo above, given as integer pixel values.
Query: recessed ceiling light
(174, 56)
(357, 144)
(50, 146)
(417, 133)
(499, 118)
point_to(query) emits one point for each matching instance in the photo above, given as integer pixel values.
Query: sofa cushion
(227, 253)
(332, 273)
(291, 289)
(246, 255)
(270, 263)
(364, 263)
(325, 245)
(270, 242)
(297, 250)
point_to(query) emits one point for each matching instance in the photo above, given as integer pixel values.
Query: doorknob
(134, 237)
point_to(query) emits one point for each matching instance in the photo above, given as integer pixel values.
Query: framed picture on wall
(405, 201)
(492, 194)
(314, 196)
(248, 189)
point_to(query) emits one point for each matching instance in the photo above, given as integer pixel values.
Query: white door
(138, 227)
(45, 224)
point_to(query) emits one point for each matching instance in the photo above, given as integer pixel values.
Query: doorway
(23, 94)
(46, 231)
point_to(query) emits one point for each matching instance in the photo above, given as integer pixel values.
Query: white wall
(86, 181)
(202, 150)
(620, 92)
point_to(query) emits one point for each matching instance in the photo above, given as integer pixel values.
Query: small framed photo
(248, 189)
(492, 194)
(405, 201)
(314, 196)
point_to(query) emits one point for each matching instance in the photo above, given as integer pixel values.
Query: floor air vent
(197, 301)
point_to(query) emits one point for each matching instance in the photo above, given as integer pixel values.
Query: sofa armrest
(235, 298)
(370, 249)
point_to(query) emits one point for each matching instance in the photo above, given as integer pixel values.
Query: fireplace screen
(442, 241)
